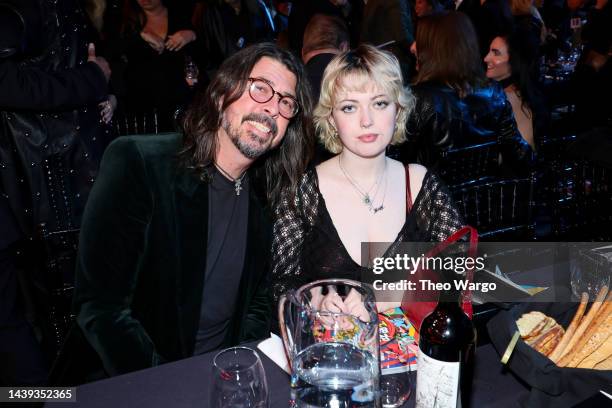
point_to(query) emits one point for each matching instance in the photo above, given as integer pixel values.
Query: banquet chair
(581, 194)
(136, 123)
(500, 210)
(468, 165)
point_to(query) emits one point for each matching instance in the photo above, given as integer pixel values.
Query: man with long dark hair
(175, 243)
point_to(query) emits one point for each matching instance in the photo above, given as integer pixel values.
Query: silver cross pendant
(238, 186)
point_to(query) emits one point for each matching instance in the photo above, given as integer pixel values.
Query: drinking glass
(239, 380)
(592, 271)
(191, 72)
(334, 356)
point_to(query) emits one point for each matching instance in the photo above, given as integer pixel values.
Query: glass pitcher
(330, 331)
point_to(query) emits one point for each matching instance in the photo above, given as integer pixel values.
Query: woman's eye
(381, 104)
(347, 108)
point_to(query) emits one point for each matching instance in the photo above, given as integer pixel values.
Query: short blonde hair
(358, 67)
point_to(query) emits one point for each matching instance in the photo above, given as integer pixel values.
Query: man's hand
(180, 39)
(99, 61)
(156, 42)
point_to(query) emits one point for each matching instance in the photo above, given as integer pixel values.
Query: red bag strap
(456, 236)
(408, 193)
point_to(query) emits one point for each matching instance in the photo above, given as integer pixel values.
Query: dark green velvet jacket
(142, 258)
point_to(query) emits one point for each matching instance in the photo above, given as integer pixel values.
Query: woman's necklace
(237, 181)
(368, 200)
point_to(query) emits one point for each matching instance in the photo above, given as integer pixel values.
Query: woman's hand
(332, 302)
(351, 305)
(155, 41)
(107, 109)
(355, 306)
(180, 39)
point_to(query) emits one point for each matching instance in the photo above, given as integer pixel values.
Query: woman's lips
(368, 138)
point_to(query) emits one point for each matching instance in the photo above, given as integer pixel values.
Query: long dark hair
(447, 52)
(283, 166)
(523, 59)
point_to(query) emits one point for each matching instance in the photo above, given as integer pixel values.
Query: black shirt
(227, 233)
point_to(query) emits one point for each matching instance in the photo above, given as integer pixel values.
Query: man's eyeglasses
(261, 91)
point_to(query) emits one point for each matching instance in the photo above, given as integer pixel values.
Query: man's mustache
(264, 120)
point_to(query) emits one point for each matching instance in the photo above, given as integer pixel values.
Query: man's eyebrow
(269, 81)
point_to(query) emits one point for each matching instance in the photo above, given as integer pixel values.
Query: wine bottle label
(437, 383)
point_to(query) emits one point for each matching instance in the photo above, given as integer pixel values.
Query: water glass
(191, 72)
(592, 270)
(239, 380)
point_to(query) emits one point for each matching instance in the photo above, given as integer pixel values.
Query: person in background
(324, 38)
(227, 26)
(592, 80)
(490, 19)
(455, 103)
(388, 24)
(51, 140)
(426, 7)
(527, 19)
(359, 195)
(175, 243)
(510, 62)
(350, 11)
(154, 43)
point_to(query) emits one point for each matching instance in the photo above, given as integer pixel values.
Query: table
(186, 384)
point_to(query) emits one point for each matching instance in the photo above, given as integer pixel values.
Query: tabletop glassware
(239, 380)
(592, 270)
(334, 356)
(191, 72)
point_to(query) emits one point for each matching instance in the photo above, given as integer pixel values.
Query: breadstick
(595, 340)
(558, 351)
(604, 365)
(601, 354)
(584, 324)
(597, 333)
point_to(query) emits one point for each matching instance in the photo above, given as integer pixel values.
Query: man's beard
(261, 145)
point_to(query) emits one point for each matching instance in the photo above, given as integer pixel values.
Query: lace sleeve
(436, 212)
(293, 217)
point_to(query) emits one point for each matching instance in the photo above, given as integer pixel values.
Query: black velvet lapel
(192, 233)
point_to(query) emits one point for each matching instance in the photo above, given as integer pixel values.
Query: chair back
(468, 165)
(136, 123)
(500, 210)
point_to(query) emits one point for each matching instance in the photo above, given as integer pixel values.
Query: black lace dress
(307, 247)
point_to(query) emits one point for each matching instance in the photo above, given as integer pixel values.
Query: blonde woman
(360, 195)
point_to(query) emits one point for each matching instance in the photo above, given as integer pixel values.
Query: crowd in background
(511, 71)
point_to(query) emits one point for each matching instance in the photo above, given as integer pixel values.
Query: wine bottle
(445, 358)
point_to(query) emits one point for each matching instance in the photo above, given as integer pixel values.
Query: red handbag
(417, 305)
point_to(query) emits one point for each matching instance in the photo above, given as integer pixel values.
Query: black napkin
(551, 386)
